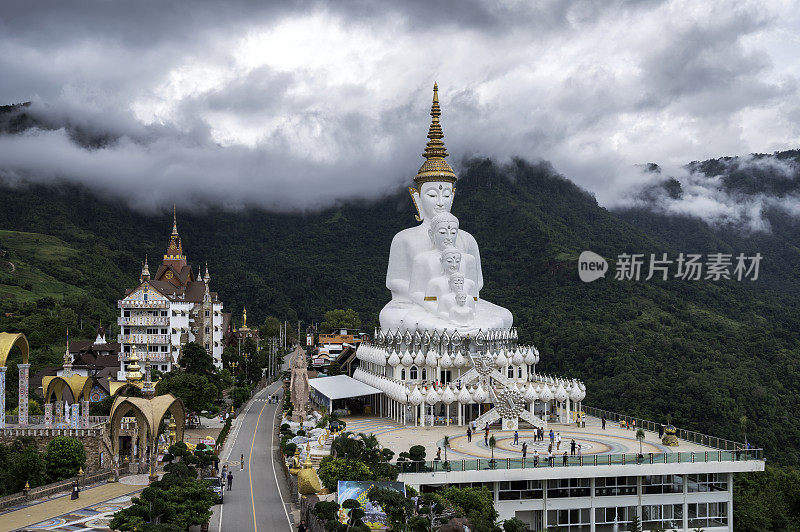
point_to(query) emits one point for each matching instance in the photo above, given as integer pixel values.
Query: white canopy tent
(328, 389)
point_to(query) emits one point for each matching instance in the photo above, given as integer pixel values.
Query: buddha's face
(457, 284)
(444, 234)
(451, 262)
(435, 197)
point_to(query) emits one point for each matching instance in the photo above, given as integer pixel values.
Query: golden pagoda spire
(134, 375)
(174, 247)
(244, 317)
(435, 168)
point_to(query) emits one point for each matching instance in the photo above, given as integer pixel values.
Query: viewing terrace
(615, 446)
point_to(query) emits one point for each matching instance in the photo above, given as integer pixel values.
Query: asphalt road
(256, 501)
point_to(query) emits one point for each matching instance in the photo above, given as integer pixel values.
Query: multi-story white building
(167, 311)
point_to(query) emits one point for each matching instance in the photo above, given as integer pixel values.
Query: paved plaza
(92, 511)
(592, 438)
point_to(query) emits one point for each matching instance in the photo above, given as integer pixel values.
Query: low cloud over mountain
(291, 106)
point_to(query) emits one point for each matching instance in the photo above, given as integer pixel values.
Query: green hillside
(705, 353)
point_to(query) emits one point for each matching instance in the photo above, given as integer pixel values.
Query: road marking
(272, 459)
(249, 468)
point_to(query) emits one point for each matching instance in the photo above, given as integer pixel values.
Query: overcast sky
(303, 104)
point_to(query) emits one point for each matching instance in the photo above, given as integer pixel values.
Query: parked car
(215, 485)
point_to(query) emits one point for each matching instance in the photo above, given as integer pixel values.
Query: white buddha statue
(429, 265)
(432, 195)
(457, 305)
(451, 263)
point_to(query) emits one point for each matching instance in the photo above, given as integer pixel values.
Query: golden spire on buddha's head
(435, 168)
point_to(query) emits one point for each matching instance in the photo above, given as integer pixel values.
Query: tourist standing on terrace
(469, 434)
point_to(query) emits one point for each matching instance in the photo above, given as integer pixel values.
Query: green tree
(196, 360)
(239, 396)
(271, 327)
(340, 319)
(477, 505)
(64, 457)
(640, 436)
(196, 392)
(399, 509)
(332, 470)
(176, 502)
(334, 369)
(514, 525)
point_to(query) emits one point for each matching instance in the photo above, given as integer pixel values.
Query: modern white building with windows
(167, 311)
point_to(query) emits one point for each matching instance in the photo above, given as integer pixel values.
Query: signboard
(208, 440)
(309, 340)
(358, 490)
(335, 338)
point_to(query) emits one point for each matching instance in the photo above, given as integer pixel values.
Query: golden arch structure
(79, 387)
(149, 414)
(7, 342)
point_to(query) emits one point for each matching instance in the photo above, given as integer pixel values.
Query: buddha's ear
(414, 197)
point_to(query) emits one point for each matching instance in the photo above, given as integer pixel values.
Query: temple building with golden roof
(166, 311)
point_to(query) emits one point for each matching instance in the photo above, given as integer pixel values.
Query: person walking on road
(558, 441)
(469, 434)
(516, 437)
(535, 458)
(242, 469)
(302, 527)
(524, 449)
(603, 421)
(552, 436)
(230, 480)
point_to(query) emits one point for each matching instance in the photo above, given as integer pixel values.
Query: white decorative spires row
(490, 341)
(375, 354)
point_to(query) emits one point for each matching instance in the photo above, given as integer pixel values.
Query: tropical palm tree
(640, 437)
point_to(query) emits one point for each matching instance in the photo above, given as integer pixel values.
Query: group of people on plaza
(575, 449)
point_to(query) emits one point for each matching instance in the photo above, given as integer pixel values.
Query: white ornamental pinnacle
(459, 361)
(517, 358)
(448, 396)
(416, 397)
(405, 398)
(529, 357)
(394, 360)
(407, 360)
(545, 394)
(530, 394)
(464, 396)
(536, 352)
(433, 396)
(479, 395)
(501, 361)
(446, 361)
(575, 392)
(419, 358)
(561, 394)
(430, 360)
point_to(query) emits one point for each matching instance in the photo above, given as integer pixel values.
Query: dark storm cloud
(299, 104)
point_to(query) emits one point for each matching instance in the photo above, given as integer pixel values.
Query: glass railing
(479, 464)
(652, 426)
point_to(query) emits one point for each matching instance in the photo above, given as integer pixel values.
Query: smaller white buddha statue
(429, 265)
(450, 263)
(456, 305)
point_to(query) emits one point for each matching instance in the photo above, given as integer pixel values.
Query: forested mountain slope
(704, 352)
